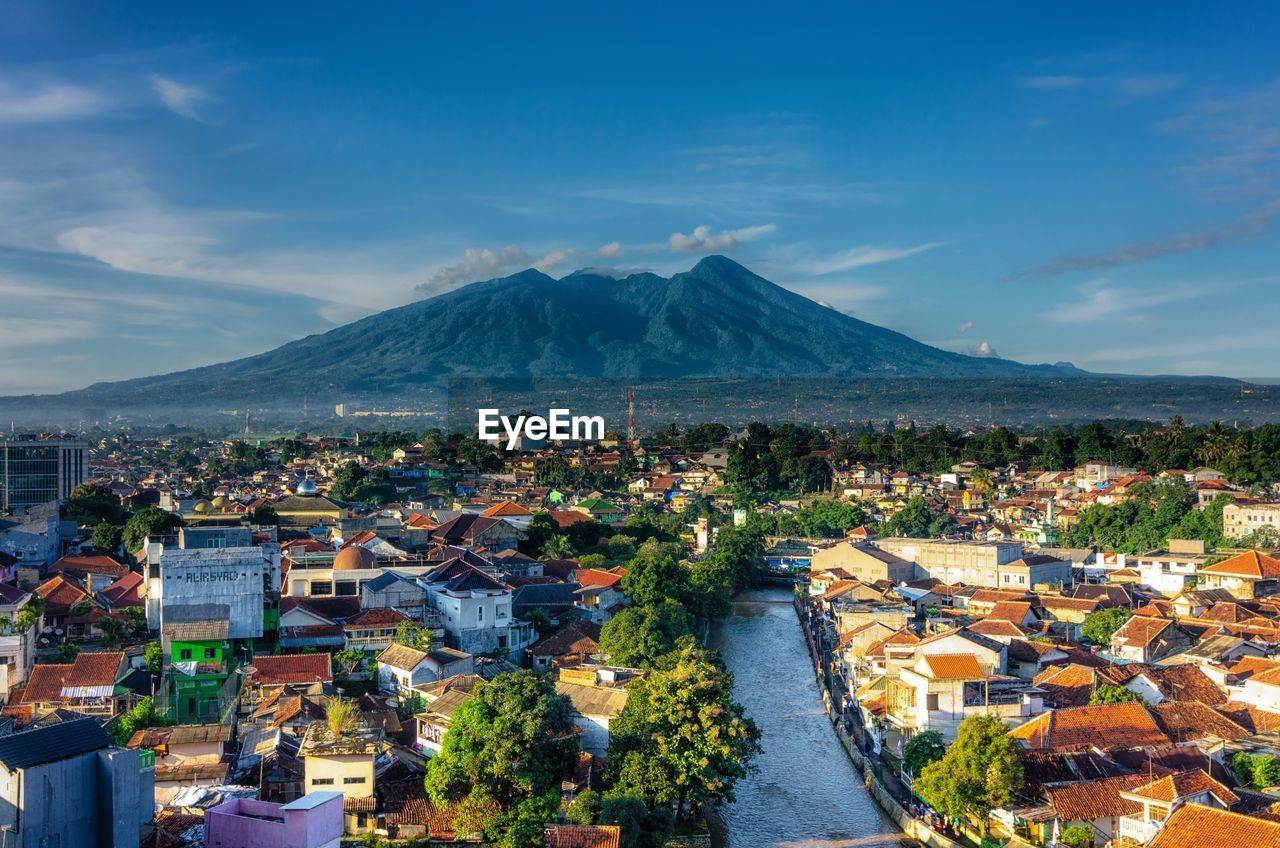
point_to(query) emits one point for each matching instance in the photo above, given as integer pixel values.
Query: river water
(805, 791)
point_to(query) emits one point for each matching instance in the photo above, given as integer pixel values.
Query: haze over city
(187, 186)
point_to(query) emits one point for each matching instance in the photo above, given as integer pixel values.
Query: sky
(183, 184)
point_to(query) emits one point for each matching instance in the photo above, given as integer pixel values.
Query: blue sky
(1097, 183)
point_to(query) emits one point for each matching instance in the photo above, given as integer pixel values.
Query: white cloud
(704, 240)
(54, 101)
(1097, 301)
(181, 99)
(862, 256)
(966, 327)
(482, 263)
(609, 251)
(985, 350)
(1055, 82)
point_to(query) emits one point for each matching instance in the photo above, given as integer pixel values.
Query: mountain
(717, 320)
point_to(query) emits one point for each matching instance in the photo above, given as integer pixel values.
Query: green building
(201, 663)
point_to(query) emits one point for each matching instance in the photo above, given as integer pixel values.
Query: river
(805, 791)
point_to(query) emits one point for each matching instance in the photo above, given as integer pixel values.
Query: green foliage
(585, 808)
(513, 740)
(681, 736)
(978, 772)
(352, 483)
(641, 827)
(655, 575)
(93, 504)
(918, 520)
(411, 634)
(1099, 626)
(107, 538)
(1109, 693)
(81, 607)
(153, 658)
(701, 437)
(1258, 771)
(1078, 836)
(142, 716)
(65, 653)
(557, 547)
(639, 637)
(923, 749)
(148, 521)
(264, 515)
(821, 519)
(348, 660)
(114, 631)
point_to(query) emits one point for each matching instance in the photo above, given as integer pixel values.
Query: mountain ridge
(719, 319)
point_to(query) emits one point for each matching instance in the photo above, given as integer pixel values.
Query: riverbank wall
(910, 826)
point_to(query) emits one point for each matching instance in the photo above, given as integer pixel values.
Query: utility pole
(631, 417)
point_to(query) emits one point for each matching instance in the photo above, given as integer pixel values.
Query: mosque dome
(201, 506)
(354, 558)
(306, 487)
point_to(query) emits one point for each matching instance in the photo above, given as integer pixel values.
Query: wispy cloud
(965, 327)
(1100, 301)
(862, 256)
(181, 99)
(482, 263)
(49, 101)
(1053, 82)
(1246, 227)
(704, 240)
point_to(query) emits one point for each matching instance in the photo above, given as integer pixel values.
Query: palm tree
(113, 631)
(557, 547)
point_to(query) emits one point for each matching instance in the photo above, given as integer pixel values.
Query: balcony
(1137, 830)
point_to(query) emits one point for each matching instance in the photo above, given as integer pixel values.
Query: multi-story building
(1240, 520)
(35, 471)
(66, 785)
(971, 563)
(312, 821)
(476, 610)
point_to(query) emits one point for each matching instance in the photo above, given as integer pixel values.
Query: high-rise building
(35, 471)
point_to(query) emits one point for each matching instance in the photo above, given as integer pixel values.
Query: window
(932, 702)
(322, 781)
(351, 780)
(184, 654)
(480, 614)
(210, 653)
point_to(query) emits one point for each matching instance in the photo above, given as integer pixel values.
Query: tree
(143, 715)
(585, 808)
(912, 520)
(639, 636)
(1258, 771)
(107, 538)
(346, 479)
(264, 515)
(348, 660)
(1099, 626)
(513, 740)
(1109, 693)
(411, 634)
(340, 715)
(681, 736)
(641, 827)
(655, 575)
(92, 504)
(1078, 836)
(923, 749)
(557, 547)
(153, 659)
(978, 772)
(148, 521)
(113, 630)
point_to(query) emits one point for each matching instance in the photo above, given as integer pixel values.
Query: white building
(1240, 520)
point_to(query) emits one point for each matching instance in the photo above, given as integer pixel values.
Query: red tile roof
(953, 666)
(292, 668)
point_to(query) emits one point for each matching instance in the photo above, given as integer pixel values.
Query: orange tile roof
(1197, 826)
(1105, 726)
(1140, 631)
(505, 509)
(1168, 789)
(598, 577)
(582, 835)
(1015, 611)
(1095, 799)
(1248, 564)
(95, 668)
(953, 666)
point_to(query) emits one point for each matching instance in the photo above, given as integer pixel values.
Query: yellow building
(343, 763)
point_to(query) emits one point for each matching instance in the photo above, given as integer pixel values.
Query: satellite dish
(58, 631)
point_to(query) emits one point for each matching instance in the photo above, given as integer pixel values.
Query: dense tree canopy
(977, 774)
(1109, 693)
(93, 503)
(1099, 626)
(148, 521)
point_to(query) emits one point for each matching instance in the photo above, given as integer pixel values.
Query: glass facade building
(36, 471)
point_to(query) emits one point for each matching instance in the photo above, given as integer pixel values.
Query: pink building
(312, 821)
